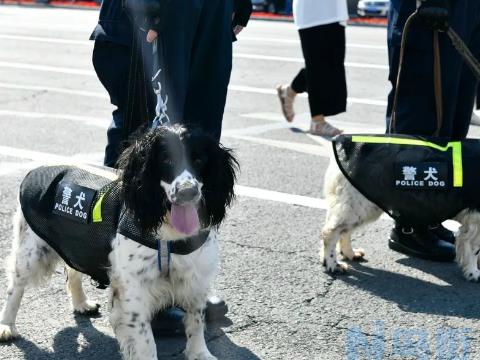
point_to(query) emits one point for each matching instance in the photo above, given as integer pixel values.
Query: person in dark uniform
(416, 102)
(119, 43)
(195, 55)
(112, 58)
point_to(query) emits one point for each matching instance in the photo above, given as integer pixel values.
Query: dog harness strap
(164, 257)
(191, 244)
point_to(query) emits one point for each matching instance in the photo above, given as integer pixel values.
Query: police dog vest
(78, 212)
(416, 180)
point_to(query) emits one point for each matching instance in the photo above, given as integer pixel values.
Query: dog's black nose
(187, 193)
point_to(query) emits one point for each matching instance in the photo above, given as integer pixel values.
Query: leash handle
(161, 117)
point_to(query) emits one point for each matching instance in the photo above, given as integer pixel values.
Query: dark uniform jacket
(243, 10)
(114, 24)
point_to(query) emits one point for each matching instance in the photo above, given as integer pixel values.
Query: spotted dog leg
(130, 320)
(468, 244)
(80, 302)
(196, 348)
(347, 250)
(330, 238)
(31, 261)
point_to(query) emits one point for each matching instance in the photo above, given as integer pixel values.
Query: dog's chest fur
(135, 265)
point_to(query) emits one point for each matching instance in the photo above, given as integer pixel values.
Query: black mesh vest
(83, 246)
(416, 180)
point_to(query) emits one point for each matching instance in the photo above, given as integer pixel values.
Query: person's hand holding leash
(434, 14)
(238, 29)
(151, 36)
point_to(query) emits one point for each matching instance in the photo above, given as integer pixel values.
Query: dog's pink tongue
(185, 219)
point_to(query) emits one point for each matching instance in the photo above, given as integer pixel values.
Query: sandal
(323, 128)
(286, 102)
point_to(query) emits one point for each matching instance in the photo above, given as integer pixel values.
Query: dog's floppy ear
(140, 177)
(218, 189)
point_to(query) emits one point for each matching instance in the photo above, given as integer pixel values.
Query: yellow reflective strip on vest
(456, 147)
(457, 163)
(97, 210)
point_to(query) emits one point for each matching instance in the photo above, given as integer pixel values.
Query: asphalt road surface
(282, 304)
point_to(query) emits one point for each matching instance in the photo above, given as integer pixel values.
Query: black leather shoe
(170, 321)
(421, 243)
(442, 233)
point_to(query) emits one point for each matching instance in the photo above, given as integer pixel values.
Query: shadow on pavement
(81, 341)
(217, 341)
(84, 341)
(454, 297)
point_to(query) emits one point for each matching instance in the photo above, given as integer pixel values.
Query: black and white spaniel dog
(175, 183)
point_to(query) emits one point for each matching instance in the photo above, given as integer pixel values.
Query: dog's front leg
(194, 328)
(130, 320)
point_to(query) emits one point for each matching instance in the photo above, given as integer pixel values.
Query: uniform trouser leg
(416, 104)
(112, 63)
(196, 58)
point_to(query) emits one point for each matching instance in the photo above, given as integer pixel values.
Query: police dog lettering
(415, 180)
(150, 234)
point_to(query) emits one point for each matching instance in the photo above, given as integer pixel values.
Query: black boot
(170, 321)
(443, 233)
(420, 242)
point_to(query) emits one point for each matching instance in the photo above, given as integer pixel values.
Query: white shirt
(310, 13)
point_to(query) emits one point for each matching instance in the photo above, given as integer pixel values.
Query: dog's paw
(8, 332)
(337, 267)
(473, 275)
(88, 307)
(355, 255)
(200, 356)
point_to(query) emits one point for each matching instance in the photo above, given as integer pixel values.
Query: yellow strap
(97, 210)
(456, 147)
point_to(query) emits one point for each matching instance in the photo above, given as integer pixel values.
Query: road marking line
(297, 42)
(255, 130)
(267, 91)
(238, 88)
(8, 168)
(288, 145)
(40, 158)
(302, 61)
(46, 40)
(282, 197)
(247, 191)
(247, 38)
(102, 95)
(78, 71)
(9, 25)
(47, 68)
(98, 122)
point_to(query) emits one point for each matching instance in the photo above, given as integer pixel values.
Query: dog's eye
(168, 161)
(198, 162)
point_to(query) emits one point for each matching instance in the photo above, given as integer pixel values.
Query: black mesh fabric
(130, 228)
(370, 169)
(84, 247)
